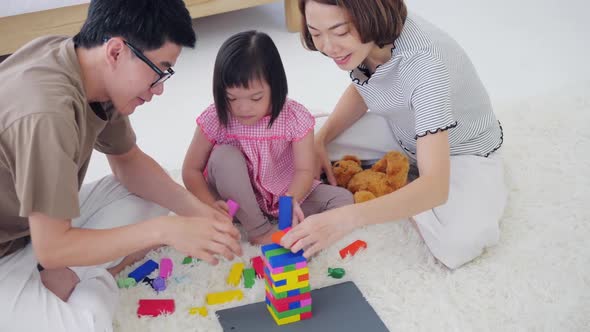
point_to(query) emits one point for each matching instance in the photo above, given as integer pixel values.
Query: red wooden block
(155, 307)
(303, 277)
(258, 266)
(305, 315)
(352, 248)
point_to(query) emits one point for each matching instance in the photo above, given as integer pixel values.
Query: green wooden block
(126, 282)
(249, 277)
(289, 268)
(275, 252)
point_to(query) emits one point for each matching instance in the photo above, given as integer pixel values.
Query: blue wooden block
(143, 270)
(281, 283)
(293, 292)
(286, 259)
(269, 247)
(294, 305)
(285, 212)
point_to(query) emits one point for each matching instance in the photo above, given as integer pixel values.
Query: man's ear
(114, 48)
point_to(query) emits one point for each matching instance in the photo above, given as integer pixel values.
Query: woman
(426, 100)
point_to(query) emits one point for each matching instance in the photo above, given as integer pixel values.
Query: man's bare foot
(265, 238)
(60, 282)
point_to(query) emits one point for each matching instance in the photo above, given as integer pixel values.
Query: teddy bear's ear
(353, 158)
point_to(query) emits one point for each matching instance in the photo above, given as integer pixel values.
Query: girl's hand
(298, 215)
(317, 232)
(323, 163)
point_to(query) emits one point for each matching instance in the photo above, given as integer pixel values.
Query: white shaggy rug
(536, 279)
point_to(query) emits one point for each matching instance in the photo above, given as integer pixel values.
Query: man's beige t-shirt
(47, 133)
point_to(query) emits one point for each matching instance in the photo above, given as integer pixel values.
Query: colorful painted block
(165, 268)
(235, 274)
(155, 307)
(143, 270)
(258, 265)
(352, 248)
(198, 310)
(223, 297)
(249, 276)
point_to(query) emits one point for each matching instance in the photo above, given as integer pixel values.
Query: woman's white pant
(467, 223)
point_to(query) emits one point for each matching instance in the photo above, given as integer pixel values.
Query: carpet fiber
(536, 279)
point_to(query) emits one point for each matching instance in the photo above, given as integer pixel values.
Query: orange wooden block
(277, 236)
(303, 277)
(352, 248)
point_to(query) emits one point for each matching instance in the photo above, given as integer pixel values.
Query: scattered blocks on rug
(155, 307)
(336, 273)
(165, 268)
(224, 297)
(143, 270)
(198, 310)
(159, 284)
(235, 274)
(249, 276)
(352, 248)
(258, 266)
(126, 282)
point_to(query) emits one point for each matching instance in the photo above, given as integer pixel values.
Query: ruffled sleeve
(300, 120)
(431, 96)
(210, 126)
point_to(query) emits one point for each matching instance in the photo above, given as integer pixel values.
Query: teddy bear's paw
(363, 196)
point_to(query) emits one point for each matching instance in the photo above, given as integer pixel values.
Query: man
(60, 98)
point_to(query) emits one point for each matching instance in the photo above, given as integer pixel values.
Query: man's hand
(203, 237)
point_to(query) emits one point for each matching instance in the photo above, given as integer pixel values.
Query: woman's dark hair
(379, 21)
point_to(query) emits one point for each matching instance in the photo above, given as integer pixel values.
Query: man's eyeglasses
(163, 75)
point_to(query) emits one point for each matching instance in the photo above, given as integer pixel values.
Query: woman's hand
(318, 232)
(323, 162)
(298, 215)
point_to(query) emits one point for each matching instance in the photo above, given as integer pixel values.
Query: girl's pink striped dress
(268, 151)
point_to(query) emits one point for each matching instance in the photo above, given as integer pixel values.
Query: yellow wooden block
(223, 297)
(235, 274)
(283, 321)
(290, 286)
(200, 310)
(291, 274)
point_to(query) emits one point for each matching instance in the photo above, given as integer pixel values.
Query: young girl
(254, 145)
(426, 100)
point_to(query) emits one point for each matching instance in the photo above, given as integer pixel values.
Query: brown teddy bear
(389, 174)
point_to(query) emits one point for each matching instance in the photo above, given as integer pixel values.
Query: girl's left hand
(318, 232)
(298, 215)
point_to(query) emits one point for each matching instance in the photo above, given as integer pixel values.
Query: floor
(520, 49)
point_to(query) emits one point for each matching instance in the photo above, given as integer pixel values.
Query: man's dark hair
(147, 24)
(243, 58)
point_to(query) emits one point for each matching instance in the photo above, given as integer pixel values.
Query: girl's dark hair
(379, 21)
(147, 24)
(243, 58)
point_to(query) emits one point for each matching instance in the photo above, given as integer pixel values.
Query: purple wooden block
(159, 284)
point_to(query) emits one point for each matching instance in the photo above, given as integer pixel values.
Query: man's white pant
(26, 305)
(459, 230)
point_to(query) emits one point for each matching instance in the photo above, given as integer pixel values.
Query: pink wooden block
(165, 268)
(305, 303)
(233, 207)
(300, 265)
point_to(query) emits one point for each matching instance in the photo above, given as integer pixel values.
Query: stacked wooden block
(286, 276)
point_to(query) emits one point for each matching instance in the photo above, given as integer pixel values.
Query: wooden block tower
(286, 275)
